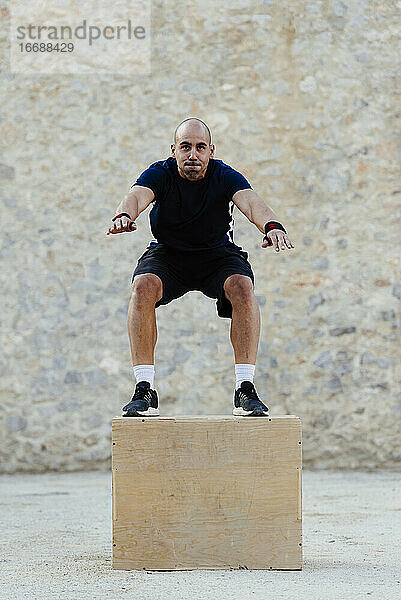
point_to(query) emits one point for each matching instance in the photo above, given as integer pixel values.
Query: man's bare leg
(147, 289)
(245, 322)
(244, 334)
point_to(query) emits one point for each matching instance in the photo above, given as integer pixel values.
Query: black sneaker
(247, 403)
(144, 402)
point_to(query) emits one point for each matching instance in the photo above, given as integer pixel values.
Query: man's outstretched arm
(137, 199)
(259, 213)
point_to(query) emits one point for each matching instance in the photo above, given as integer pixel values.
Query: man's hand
(275, 238)
(122, 224)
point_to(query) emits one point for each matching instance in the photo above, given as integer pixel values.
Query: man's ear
(172, 149)
(212, 149)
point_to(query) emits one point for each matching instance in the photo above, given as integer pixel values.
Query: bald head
(194, 125)
(192, 148)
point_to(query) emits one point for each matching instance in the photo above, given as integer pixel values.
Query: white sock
(144, 373)
(243, 372)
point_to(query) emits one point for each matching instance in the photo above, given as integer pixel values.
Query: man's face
(192, 151)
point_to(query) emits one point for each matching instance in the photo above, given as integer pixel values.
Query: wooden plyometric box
(218, 492)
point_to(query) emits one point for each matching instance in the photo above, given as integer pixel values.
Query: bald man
(193, 198)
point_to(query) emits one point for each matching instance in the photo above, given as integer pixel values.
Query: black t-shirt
(192, 215)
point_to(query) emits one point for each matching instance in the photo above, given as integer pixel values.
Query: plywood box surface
(198, 492)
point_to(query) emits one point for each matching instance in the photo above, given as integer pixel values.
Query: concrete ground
(56, 544)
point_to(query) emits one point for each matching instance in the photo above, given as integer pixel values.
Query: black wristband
(121, 215)
(272, 225)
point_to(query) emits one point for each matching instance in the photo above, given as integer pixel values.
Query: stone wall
(301, 98)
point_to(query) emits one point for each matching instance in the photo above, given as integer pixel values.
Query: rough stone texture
(303, 100)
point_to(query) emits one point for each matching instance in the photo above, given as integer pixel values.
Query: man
(194, 197)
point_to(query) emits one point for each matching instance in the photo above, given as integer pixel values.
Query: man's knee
(147, 287)
(238, 287)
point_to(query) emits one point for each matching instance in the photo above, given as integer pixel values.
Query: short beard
(193, 174)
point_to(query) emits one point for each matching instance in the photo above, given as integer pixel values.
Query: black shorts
(202, 270)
